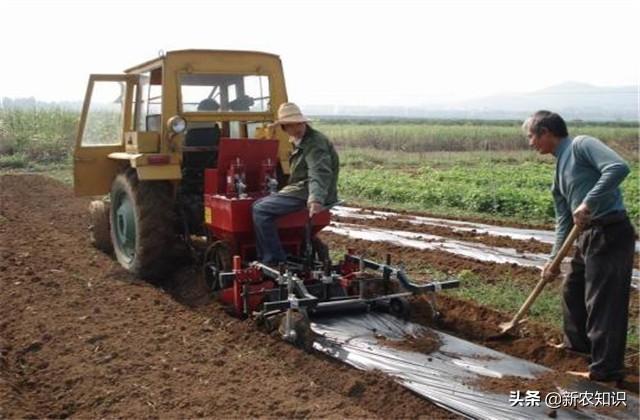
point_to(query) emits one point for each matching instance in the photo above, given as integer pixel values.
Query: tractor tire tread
(153, 206)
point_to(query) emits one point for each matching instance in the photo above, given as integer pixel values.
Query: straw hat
(289, 113)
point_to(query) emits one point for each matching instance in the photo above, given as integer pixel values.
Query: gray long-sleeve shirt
(586, 171)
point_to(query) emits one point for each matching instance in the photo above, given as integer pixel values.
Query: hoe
(508, 328)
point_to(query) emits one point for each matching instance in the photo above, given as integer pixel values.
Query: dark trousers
(265, 213)
(596, 295)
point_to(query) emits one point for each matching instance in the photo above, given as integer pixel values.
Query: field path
(490, 243)
(521, 237)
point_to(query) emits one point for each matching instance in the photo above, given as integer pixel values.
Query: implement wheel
(400, 308)
(142, 224)
(302, 335)
(217, 259)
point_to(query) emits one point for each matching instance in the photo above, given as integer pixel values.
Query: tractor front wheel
(142, 224)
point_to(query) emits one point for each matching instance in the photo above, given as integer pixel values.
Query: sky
(334, 52)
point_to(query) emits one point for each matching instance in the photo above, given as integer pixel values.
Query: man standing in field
(586, 192)
(312, 182)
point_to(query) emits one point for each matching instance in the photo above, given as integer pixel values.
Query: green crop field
(442, 135)
(501, 186)
(465, 168)
(36, 136)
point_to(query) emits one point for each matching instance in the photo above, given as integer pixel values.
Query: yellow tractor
(181, 147)
(147, 136)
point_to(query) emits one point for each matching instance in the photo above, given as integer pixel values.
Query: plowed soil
(415, 259)
(80, 337)
(529, 246)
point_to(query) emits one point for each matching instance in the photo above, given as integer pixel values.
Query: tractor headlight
(177, 124)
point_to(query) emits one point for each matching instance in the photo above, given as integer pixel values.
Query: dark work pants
(596, 296)
(265, 213)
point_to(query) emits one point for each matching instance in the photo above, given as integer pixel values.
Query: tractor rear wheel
(99, 227)
(142, 224)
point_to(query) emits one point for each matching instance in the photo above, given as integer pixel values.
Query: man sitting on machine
(312, 182)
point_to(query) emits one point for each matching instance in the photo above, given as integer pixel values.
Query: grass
(60, 172)
(14, 161)
(507, 295)
(367, 158)
(47, 134)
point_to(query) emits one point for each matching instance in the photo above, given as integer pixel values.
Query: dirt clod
(427, 342)
(545, 383)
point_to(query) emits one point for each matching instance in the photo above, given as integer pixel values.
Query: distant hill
(571, 99)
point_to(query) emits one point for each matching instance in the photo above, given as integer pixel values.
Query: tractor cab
(154, 115)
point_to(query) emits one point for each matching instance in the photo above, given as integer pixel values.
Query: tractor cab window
(150, 101)
(103, 125)
(224, 93)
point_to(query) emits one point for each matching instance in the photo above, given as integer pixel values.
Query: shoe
(563, 346)
(612, 382)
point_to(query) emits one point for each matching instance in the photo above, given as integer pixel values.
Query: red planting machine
(309, 283)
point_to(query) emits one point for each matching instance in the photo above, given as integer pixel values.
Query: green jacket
(314, 167)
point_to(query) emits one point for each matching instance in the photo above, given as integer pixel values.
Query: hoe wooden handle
(555, 264)
(564, 250)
